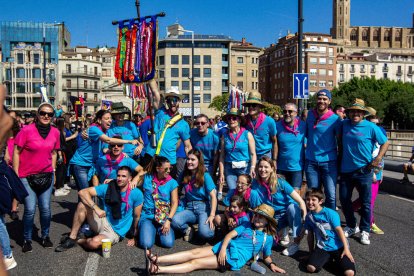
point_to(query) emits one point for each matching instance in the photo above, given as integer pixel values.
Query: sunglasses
(252, 105)
(116, 146)
(233, 118)
(172, 100)
(200, 123)
(288, 111)
(44, 113)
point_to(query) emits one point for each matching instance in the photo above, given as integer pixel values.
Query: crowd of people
(155, 189)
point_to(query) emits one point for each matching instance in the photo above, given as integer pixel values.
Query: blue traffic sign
(300, 86)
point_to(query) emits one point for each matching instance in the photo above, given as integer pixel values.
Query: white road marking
(91, 268)
(405, 199)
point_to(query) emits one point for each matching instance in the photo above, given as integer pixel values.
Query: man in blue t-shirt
(121, 208)
(359, 137)
(322, 131)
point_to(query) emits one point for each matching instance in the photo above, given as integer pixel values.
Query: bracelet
(270, 264)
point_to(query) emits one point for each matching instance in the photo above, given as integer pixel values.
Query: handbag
(238, 164)
(40, 182)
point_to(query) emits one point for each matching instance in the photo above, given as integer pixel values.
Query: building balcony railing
(341, 69)
(81, 87)
(225, 89)
(225, 76)
(399, 73)
(385, 69)
(409, 73)
(362, 70)
(352, 70)
(341, 80)
(73, 73)
(373, 71)
(225, 63)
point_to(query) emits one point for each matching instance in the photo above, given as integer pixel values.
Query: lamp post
(192, 72)
(300, 44)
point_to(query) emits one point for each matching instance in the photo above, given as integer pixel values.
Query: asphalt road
(389, 254)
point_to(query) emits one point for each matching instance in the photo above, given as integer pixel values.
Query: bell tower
(341, 19)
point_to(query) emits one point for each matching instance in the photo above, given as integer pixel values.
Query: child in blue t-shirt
(234, 215)
(324, 231)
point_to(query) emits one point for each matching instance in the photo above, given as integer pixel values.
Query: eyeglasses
(168, 169)
(252, 105)
(242, 184)
(233, 118)
(172, 100)
(44, 113)
(288, 111)
(200, 123)
(116, 145)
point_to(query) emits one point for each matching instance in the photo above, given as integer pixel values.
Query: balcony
(399, 73)
(225, 89)
(385, 69)
(362, 71)
(352, 70)
(409, 73)
(341, 69)
(81, 73)
(81, 88)
(373, 71)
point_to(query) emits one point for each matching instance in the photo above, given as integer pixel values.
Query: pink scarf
(266, 186)
(237, 216)
(246, 195)
(98, 126)
(295, 126)
(126, 197)
(190, 185)
(159, 183)
(259, 122)
(242, 129)
(110, 165)
(321, 118)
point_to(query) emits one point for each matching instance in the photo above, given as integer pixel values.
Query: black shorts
(320, 257)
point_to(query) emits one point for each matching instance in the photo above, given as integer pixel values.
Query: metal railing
(401, 144)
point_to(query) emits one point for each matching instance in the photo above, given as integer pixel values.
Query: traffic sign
(300, 86)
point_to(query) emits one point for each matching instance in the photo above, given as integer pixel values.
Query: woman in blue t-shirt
(239, 246)
(200, 199)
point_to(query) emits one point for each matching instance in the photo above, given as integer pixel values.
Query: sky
(261, 22)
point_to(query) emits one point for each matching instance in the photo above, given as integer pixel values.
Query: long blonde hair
(273, 181)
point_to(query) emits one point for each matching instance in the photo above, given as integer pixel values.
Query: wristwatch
(169, 219)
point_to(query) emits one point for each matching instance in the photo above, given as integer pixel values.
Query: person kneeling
(121, 207)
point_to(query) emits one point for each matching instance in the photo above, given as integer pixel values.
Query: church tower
(341, 19)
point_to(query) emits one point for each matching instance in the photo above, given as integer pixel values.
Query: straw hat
(173, 92)
(358, 105)
(232, 112)
(119, 108)
(254, 98)
(266, 211)
(371, 111)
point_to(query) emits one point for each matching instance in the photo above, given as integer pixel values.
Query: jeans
(292, 218)
(232, 174)
(196, 212)
(43, 200)
(294, 178)
(80, 174)
(4, 238)
(148, 229)
(361, 178)
(268, 154)
(325, 173)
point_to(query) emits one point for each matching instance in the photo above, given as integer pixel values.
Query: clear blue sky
(260, 21)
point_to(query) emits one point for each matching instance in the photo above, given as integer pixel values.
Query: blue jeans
(268, 154)
(4, 238)
(148, 229)
(325, 173)
(361, 178)
(232, 174)
(294, 178)
(195, 213)
(80, 174)
(43, 200)
(292, 218)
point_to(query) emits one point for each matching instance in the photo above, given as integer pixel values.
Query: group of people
(250, 164)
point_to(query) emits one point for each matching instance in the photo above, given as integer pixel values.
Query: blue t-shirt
(358, 143)
(220, 128)
(321, 139)
(279, 200)
(181, 150)
(202, 193)
(164, 195)
(144, 131)
(291, 147)
(121, 226)
(263, 135)
(241, 152)
(254, 199)
(168, 148)
(83, 155)
(109, 171)
(128, 131)
(58, 113)
(208, 144)
(94, 134)
(241, 248)
(330, 216)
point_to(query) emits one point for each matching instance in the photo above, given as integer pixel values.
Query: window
(207, 59)
(95, 97)
(175, 84)
(376, 35)
(185, 59)
(36, 87)
(364, 35)
(174, 59)
(207, 98)
(313, 71)
(207, 85)
(330, 61)
(398, 36)
(196, 72)
(186, 98)
(330, 73)
(331, 52)
(197, 85)
(97, 58)
(174, 72)
(312, 83)
(161, 73)
(387, 36)
(162, 60)
(240, 60)
(68, 68)
(330, 83)
(314, 60)
(95, 85)
(322, 60)
(185, 85)
(85, 96)
(85, 69)
(197, 59)
(85, 84)
(68, 83)
(322, 83)
(322, 49)
(322, 72)
(240, 85)
(36, 73)
(106, 72)
(36, 59)
(20, 87)
(95, 71)
(353, 35)
(207, 72)
(20, 58)
(240, 72)
(341, 78)
(185, 72)
(20, 73)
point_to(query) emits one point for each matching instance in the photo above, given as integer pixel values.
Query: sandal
(152, 269)
(153, 258)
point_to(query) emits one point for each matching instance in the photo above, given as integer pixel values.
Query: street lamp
(192, 72)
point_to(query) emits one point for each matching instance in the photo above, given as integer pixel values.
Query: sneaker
(365, 238)
(27, 246)
(291, 250)
(404, 179)
(219, 195)
(46, 242)
(10, 262)
(61, 192)
(376, 230)
(68, 243)
(14, 215)
(188, 235)
(67, 187)
(349, 232)
(284, 241)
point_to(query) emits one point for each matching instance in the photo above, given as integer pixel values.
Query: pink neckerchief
(190, 185)
(126, 197)
(98, 126)
(110, 165)
(246, 195)
(159, 183)
(321, 118)
(259, 121)
(242, 129)
(237, 216)
(266, 186)
(295, 126)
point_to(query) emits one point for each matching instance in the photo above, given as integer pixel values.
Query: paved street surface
(389, 254)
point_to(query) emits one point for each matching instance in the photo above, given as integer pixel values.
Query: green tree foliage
(219, 103)
(270, 109)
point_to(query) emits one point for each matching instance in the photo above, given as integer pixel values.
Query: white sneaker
(291, 250)
(188, 235)
(349, 232)
(284, 241)
(61, 192)
(10, 262)
(365, 238)
(67, 187)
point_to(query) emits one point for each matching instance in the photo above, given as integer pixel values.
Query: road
(389, 254)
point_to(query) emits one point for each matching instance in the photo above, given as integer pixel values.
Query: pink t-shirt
(36, 154)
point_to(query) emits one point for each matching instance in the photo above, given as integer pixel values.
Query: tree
(270, 109)
(219, 103)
